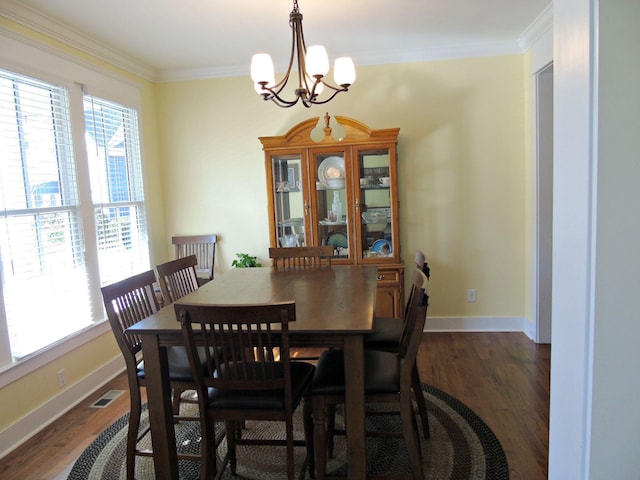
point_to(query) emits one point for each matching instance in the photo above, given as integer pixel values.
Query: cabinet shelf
(323, 223)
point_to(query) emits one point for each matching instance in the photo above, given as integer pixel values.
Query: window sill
(12, 372)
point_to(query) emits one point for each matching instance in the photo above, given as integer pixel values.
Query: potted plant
(245, 260)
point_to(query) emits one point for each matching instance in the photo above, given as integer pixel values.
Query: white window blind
(117, 188)
(46, 263)
(44, 278)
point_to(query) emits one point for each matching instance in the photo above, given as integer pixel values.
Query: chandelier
(313, 65)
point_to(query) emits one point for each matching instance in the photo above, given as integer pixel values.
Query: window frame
(78, 77)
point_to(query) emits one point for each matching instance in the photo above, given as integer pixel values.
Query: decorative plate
(377, 245)
(336, 238)
(331, 167)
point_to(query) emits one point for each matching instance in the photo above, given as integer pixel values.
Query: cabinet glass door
(331, 202)
(375, 203)
(288, 200)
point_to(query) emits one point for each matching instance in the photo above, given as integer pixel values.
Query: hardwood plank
(58, 445)
(503, 377)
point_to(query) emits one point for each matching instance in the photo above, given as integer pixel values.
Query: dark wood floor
(503, 377)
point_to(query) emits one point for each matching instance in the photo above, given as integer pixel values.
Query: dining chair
(203, 247)
(298, 258)
(386, 336)
(178, 277)
(127, 302)
(301, 258)
(246, 381)
(387, 379)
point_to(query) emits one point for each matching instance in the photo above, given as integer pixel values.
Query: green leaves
(245, 260)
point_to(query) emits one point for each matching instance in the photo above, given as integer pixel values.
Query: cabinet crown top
(306, 133)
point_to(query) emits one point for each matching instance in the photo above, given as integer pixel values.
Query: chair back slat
(178, 278)
(301, 258)
(127, 302)
(202, 246)
(250, 344)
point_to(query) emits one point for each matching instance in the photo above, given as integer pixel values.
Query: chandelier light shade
(313, 66)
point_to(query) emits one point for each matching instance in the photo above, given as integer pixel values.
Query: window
(56, 246)
(116, 186)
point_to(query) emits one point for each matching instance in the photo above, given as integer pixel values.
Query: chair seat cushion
(179, 369)
(381, 373)
(301, 377)
(385, 335)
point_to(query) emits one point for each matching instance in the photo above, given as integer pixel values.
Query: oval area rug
(461, 447)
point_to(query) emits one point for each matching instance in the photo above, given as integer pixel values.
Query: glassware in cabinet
(331, 201)
(376, 204)
(288, 200)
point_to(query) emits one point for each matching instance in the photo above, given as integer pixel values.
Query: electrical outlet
(62, 378)
(471, 295)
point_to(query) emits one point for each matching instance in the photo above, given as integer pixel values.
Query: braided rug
(461, 447)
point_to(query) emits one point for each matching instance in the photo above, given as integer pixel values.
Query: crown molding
(446, 53)
(46, 25)
(186, 74)
(537, 28)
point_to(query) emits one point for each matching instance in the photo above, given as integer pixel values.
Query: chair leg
(410, 435)
(208, 468)
(175, 401)
(231, 427)
(422, 405)
(135, 410)
(331, 427)
(307, 413)
(320, 436)
(291, 470)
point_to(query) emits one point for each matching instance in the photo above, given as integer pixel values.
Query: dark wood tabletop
(340, 299)
(334, 307)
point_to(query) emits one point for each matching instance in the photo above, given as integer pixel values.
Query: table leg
(160, 411)
(355, 408)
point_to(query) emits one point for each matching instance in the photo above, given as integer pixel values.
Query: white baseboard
(530, 330)
(475, 324)
(32, 423)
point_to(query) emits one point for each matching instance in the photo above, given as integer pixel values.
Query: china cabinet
(341, 192)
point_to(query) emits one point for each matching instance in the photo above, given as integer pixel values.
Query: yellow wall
(31, 391)
(462, 168)
(461, 164)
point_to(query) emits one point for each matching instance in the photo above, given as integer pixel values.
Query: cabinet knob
(380, 276)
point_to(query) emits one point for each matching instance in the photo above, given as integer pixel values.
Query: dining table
(334, 308)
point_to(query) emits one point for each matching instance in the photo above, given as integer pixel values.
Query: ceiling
(181, 39)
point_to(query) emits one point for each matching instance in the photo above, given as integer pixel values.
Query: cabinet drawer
(388, 277)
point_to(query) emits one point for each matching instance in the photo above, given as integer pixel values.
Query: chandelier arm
(302, 64)
(283, 103)
(336, 92)
(301, 50)
(341, 88)
(278, 87)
